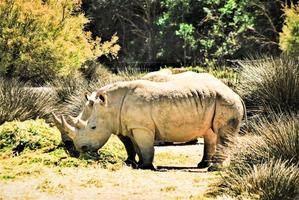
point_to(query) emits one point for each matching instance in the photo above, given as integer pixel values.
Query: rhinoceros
(190, 106)
(159, 76)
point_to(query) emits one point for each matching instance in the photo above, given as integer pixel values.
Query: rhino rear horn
(77, 123)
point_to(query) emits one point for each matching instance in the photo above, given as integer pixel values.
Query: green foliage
(270, 82)
(17, 137)
(22, 102)
(27, 145)
(289, 37)
(227, 75)
(230, 19)
(185, 32)
(40, 39)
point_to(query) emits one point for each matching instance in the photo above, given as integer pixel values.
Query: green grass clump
(17, 137)
(27, 147)
(269, 138)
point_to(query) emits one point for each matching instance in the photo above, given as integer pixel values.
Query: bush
(35, 142)
(270, 82)
(42, 39)
(22, 102)
(289, 37)
(17, 137)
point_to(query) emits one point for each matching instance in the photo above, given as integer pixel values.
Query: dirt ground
(176, 178)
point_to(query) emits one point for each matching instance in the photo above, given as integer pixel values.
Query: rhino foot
(147, 166)
(131, 163)
(203, 164)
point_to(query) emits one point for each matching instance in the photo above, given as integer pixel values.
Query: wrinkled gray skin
(191, 106)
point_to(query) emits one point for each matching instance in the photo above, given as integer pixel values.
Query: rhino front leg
(131, 159)
(210, 142)
(144, 141)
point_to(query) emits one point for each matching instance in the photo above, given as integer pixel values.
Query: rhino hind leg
(210, 141)
(226, 134)
(144, 142)
(131, 152)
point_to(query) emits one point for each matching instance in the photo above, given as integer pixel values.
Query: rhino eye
(93, 127)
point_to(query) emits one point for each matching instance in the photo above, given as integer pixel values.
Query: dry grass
(264, 162)
(270, 82)
(20, 101)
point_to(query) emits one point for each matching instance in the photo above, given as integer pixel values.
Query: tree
(133, 21)
(289, 37)
(42, 39)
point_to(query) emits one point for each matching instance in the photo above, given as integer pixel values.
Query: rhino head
(91, 134)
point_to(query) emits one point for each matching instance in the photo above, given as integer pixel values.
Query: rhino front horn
(68, 129)
(57, 122)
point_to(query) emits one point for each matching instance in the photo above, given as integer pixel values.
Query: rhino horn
(57, 122)
(81, 123)
(77, 123)
(72, 120)
(69, 130)
(56, 119)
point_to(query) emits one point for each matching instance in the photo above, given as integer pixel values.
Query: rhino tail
(244, 111)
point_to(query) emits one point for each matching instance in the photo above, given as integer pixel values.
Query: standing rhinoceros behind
(179, 110)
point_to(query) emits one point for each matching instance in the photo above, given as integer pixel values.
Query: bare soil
(176, 178)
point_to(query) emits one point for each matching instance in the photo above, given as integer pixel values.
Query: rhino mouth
(70, 149)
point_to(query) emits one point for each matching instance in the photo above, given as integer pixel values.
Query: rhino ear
(86, 96)
(102, 97)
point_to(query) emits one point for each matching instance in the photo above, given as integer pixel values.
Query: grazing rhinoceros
(190, 106)
(79, 121)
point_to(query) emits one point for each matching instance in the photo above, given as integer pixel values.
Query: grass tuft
(264, 162)
(22, 102)
(270, 82)
(275, 179)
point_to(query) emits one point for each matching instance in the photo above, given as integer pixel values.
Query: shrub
(270, 82)
(289, 37)
(67, 86)
(16, 137)
(93, 72)
(35, 142)
(22, 102)
(40, 39)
